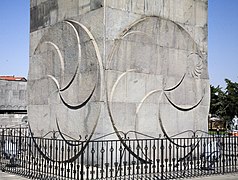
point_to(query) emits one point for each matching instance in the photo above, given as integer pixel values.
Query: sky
(14, 37)
(222, 39)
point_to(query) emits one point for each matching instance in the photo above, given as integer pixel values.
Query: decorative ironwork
(38, 158)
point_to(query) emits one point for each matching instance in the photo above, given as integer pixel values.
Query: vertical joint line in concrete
(105, 31)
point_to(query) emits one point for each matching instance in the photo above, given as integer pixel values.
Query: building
(13, 104)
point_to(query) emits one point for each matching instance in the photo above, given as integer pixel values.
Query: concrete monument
(131, 66)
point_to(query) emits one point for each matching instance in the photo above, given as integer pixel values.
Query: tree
(217, 104)
(231, 98)
(224, 103)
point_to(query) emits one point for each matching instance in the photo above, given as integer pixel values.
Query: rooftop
(12, 78)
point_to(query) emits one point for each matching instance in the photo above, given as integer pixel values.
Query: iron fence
(149, 158)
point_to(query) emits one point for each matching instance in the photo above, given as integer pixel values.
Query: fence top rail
(183, 139)
(15, 131)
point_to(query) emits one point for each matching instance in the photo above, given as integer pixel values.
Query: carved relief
(68, 62)
(151, 75)
(153, 54)
(161, 51)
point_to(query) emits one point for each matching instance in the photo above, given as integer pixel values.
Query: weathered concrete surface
(13, 95)
(12, 120)
(13, 102)
(108, 66)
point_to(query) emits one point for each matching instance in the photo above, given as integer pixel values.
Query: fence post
(223, 154)
(162, 158)
(20, 140)
(1, 149)
(82, 163)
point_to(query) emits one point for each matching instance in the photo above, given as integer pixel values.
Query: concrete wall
(13, 120)
(13, 102)
(108, 66)
(13, 95)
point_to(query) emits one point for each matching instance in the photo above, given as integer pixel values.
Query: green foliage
(215, 132)
(217, 106)
(231, 98)
(224, 103)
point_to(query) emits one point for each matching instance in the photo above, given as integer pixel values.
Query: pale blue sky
(14, 37)
(222, 39)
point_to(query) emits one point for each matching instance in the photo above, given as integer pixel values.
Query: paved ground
(233, 176)
(7, 176)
